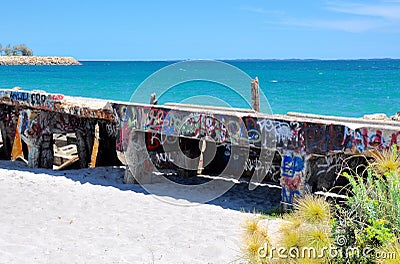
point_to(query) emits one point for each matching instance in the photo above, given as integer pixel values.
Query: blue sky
(206, 29)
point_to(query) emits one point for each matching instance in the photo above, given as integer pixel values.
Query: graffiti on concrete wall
(127, 121)
(324, 170)
(299, 138)
(266, 169)
(362, 139)
(163, 125)
(56, 103)
(9, 117)
(170, 122)
(34, 124)
(69, 124)
(37, 99)
(321, 138)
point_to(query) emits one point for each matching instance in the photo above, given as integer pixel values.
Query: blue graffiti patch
(287, 196)
(291, 165)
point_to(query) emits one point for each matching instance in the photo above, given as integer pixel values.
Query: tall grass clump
(255, 237)
(308, 226)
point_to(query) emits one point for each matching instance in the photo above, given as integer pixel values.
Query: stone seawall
(37, 60)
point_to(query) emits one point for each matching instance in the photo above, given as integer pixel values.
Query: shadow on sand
(183, 191)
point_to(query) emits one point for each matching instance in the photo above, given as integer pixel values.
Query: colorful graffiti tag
(359, 140)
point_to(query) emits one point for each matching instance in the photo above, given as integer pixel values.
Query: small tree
(16, 50)
(25, 51)
(8, 51)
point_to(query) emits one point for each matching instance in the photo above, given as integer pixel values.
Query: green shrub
(371, 216)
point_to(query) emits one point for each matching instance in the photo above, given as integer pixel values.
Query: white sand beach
(90, 216)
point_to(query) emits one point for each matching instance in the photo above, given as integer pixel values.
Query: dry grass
(387, 161)
(255, 237)
(313, 209)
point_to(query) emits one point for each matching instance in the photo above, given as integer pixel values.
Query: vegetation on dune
(363, 229)
(371, 218)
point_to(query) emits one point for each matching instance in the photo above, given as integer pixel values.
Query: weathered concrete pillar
(293, 176)
(7, 145)
(8, 125)
(41, 154)
(84, 142)
(46, 151)
(139, 165)
(33, 157)
(37, 134)
(129, 178)
(46, 154)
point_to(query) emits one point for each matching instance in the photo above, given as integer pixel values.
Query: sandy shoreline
(89, 216)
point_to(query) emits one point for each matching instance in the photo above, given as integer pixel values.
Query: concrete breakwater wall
(296, 151)
(37, 60)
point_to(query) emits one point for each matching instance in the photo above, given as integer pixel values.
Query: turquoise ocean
(329, 87)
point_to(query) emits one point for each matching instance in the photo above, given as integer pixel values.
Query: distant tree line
(17, 50)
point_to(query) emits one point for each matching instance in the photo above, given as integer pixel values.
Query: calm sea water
(343, 88)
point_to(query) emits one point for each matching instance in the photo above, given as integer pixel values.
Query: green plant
(370, 217)
(376, 196)
(376, 234)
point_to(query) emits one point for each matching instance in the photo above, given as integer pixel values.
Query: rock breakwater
(37, 60)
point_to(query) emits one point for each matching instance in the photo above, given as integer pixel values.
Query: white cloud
(353, 25)
(383, 11)
(354, 16)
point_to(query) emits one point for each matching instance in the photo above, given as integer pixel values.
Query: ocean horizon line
(250, 60)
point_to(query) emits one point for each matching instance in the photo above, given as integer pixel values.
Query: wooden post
(203, 145)
(255, 95)
(95, 149)
(17, 151)
(153, 99)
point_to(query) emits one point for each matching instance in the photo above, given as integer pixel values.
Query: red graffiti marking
(152, 141)
(57, 97)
